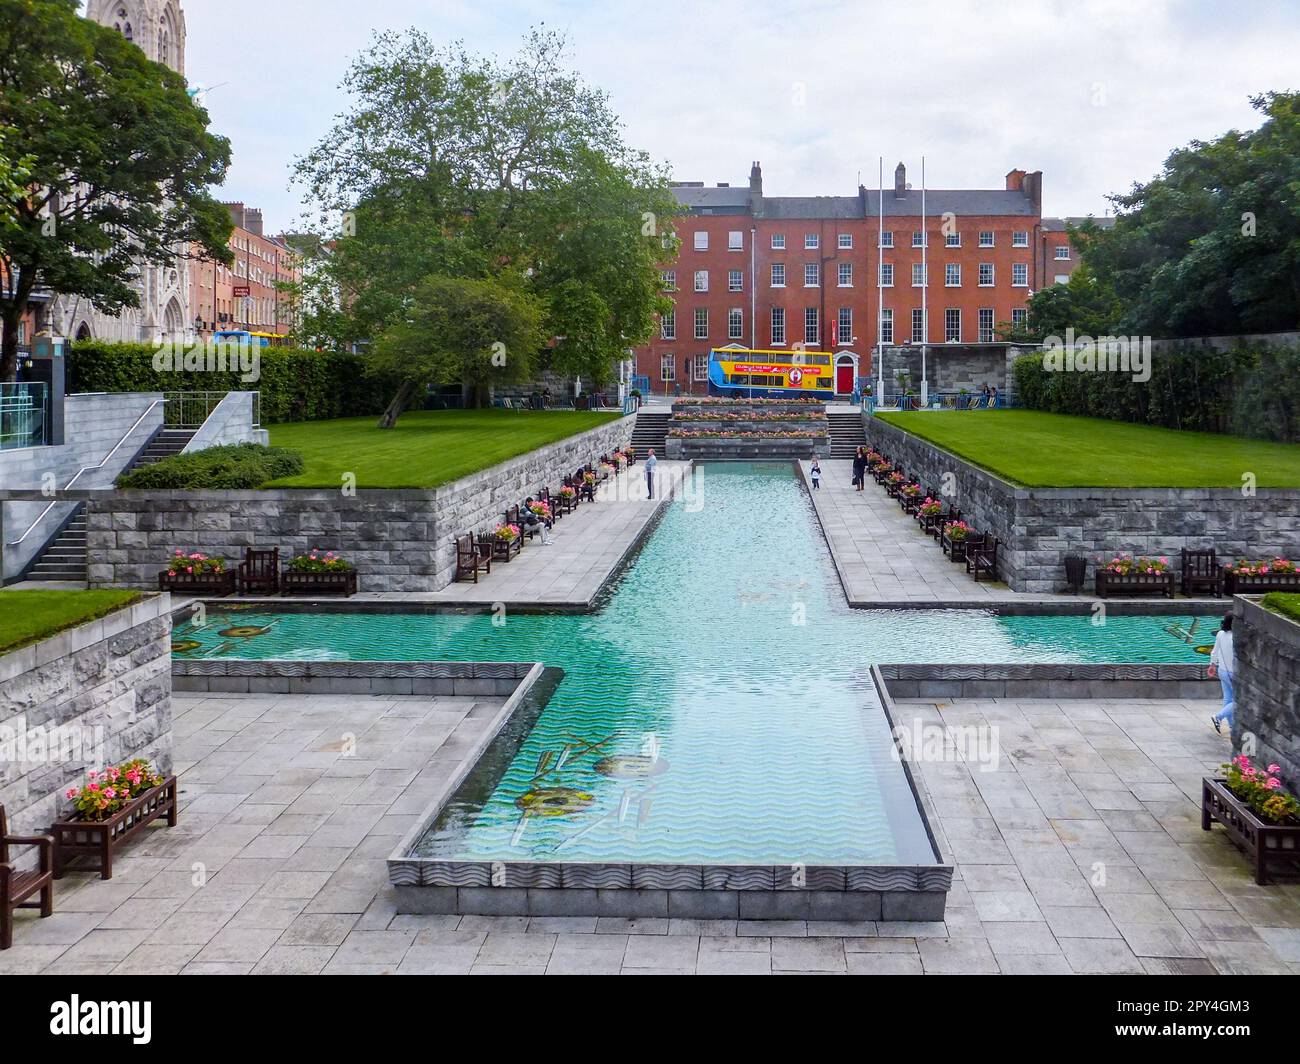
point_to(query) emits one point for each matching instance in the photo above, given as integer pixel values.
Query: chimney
(1033, 188)
(756, 180)
(1015, 180)
(253, 221)
(900, 181)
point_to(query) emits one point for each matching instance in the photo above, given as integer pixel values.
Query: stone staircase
(650, 430)
(64, 557)
(846, 431)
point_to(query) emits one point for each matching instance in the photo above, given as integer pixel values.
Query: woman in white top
(1223, 665)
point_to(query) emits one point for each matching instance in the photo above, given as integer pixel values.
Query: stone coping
(1279, 627)
(286, 676)
(1091, 680)
(67, 642)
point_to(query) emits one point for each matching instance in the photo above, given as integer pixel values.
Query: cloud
(1093, 92)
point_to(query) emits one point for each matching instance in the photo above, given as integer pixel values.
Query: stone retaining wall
(1038, 527)
(399, 539)
(1267, 648)
(92, 696)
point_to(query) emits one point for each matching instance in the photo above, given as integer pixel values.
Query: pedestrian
(650, 462)
(859, 468)
(993, 395)
(535, 521)
(816, 474)
(1223, 665)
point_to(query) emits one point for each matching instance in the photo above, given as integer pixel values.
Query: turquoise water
(716, 709)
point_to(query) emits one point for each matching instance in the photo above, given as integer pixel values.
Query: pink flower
(1273, 769)
(1273, 783)
(72, 792)
(93, 773)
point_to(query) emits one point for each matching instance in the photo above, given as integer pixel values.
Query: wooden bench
(16, 887)
(1200, 571)
(982, 557)
(471, 558)
(260, 571)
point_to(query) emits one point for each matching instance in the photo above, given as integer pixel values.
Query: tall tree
(1212, 245)
(455, 165)
(1085, 304)
(122, 162)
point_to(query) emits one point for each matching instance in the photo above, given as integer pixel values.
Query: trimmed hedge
(233, 466)
(1244, 390)
(1284, 603)
(296, 384)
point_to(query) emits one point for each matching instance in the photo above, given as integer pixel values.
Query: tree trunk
(400, 402)
(9, 346)
(482, 395)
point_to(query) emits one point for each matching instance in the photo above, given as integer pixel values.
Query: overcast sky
(1094, 93)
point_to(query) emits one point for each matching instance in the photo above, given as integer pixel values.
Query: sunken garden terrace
(713, 428)
(399, 539)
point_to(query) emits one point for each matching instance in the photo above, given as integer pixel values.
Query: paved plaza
(1081, 853)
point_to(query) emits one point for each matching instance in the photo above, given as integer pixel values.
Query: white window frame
(886, 238)
(843, 328)
(1020, 238)
(701, 316)
(844, 275)
(1062, 248)
(919, 238)
(735, 240)
(735, 280)
(1020, 269)
(776, 326)
(991, 272)
(813, 270)
(778, 241)
(811, 241)
(667, 368)
(952, 335)
(812, 325)
(918, 326)
(988, 238)
(701, 281)
(887, 325)
(1019, 315)
(668, 325)
(886, 278)
(989, 334)
(701, 240)
(844, 241)
(952, 275)
(773, 275)
(668, 280)
(919, 272)
(735, 324)
(700, 367)
(952, 240)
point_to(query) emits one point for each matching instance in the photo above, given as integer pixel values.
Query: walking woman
(1223, 665)
(859, 468)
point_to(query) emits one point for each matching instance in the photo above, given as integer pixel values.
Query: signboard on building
(241, 291)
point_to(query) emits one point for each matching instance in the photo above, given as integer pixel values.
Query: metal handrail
(87, 469)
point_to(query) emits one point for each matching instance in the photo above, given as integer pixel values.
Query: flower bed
(506, 540)
(319, 572)
(110, 809)
(1247, 577)
(196, 573)
(953, 538)
(1259, 816)
(744, 434)
(1124, 574)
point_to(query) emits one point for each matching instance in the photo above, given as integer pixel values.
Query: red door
(844, 378)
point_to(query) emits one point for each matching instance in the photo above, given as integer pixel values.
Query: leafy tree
(122, 161)
(475, 331)
(1212, 245)
(1085, 304)
(14, 175)
(454, 165)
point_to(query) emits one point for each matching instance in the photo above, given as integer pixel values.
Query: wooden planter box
(97, 839)
(505, 549)
(1259, 583)
(954, 548)
(1267, 845)
(1135, 584)
(930, 523)
(910, 503)
(338, 583)
(222, 583)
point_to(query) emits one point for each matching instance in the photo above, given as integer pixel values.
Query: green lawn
(1284, 603)
(29, 616)
(427, 448)
(1038, 449)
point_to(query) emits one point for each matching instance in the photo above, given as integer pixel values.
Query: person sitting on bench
(535, 521)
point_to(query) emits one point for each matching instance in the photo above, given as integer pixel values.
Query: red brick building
(250, 294)
(771, 271)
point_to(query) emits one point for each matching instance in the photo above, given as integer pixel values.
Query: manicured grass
(1284, 603)
(30, 616)
(427, 448)
(1038, 449)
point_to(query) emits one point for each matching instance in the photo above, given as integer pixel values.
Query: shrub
(234, 466)
(296, 384)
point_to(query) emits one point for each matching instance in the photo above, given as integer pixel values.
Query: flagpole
(925, 289)
(880, 293)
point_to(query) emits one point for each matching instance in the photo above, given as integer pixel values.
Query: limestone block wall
(92, 696)
(1267, 648)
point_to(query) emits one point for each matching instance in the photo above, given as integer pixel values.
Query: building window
(812, 275)
(918, 275)
(669, 280)
(887, 326)
(735, 281)
(845, 242)
(844, 326)
(701, 323)
(846, 274)
(735, 324)
(1019, 317)
(668, 325)
(778, 275)
(1061, 278)
(952, 240)
(735, 240)
(811, 241)
(887, 274)
(701, 367)
(986, 325)
(1020, 274)
(667, 367)
(986, 238)
(1020, 238)
(701, 280)
(778, 241)
(811, 326)
(778, 325)
(701, 241)
(952, 326)
(887, 238)
(952, 275)
(918, 239)
(1063, 251)
(986, 274)
(918, 326)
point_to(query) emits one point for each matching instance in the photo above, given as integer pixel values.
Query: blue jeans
(1229, 700)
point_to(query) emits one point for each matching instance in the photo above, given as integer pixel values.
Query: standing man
(650, 463)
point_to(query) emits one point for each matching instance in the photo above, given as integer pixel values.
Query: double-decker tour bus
(747, 373)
